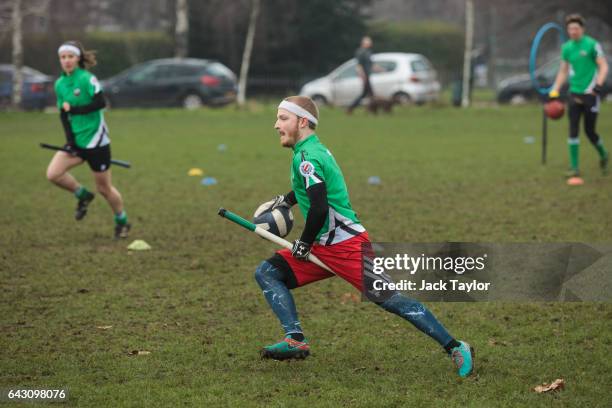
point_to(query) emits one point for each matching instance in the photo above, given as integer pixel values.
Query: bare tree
(19, 10)
(182, 28)
(467, 57)
(17, 54)
(246, 55)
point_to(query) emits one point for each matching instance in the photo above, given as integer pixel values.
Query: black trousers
(587, 105)
(367, 91)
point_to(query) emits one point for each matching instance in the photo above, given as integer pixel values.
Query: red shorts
(343, 258)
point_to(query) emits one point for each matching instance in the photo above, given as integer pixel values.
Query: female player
(80, 101)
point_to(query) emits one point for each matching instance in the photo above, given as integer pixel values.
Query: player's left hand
(301, 250)
(279, 201)
(66, 107)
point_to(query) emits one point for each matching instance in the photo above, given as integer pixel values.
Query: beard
(290, 137)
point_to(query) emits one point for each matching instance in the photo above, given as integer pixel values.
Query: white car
(400, 76)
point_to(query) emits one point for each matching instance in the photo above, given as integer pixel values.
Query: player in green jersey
(583, 60)
(81, 103)
(334, 234)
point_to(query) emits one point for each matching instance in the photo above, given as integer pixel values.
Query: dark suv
(519, 88)
(37, 91)
(185, 82)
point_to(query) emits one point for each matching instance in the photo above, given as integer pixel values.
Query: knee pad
(265, 271)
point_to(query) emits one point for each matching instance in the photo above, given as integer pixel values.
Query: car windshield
(131, 70)
(349, 71)
(143, 73)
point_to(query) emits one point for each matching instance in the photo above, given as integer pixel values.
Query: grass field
(192, 301)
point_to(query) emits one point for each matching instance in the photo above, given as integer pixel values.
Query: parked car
(37, 90)
(400, 76)
(186, 82)
(519, 88)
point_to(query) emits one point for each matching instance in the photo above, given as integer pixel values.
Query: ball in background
(554, 109)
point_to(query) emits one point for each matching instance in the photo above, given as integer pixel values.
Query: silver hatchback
(406, 78)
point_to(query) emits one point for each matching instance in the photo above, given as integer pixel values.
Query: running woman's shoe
(122, 230)
(81, 210)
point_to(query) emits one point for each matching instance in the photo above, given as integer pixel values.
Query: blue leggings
(273, 283)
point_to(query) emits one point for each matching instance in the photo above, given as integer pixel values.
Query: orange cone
(575, 181)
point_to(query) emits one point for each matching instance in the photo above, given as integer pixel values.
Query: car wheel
(402, 98)
(320, 100)
(192, 101)
(518, 99)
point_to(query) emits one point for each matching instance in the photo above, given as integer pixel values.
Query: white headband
(298, 110)
(69, 48)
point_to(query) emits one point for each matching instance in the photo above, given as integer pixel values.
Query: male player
(583, 59)
(333, 233)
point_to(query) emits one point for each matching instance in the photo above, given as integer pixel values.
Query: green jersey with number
(581, 55)
(78, 89)
(313, 163)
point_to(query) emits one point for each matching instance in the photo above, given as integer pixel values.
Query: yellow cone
(139, 245)
(195, 172)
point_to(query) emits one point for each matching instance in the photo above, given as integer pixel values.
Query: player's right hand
(554, 94)
(597, 89)
(70, 149)
(300, 250)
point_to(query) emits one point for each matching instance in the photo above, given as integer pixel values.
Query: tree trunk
(246, 55)
(181, 30)
(492, 60)
(467, 56)
(17, 55)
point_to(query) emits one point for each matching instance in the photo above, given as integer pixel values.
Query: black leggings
(588, 105)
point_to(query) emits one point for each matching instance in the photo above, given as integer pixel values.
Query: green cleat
(603, 165)
(287, 349)
(463, 357)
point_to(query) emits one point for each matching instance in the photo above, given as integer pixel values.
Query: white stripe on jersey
(102, 132)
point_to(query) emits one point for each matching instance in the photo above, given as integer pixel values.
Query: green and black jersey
(312, 164)
(79, 89)
(581, 55)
